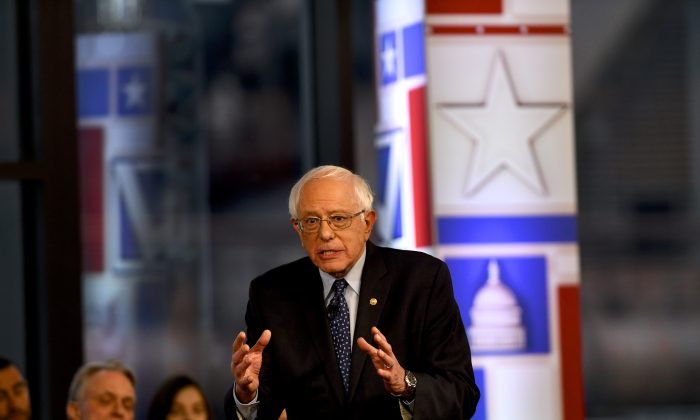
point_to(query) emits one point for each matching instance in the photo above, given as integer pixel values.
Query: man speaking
(354, 330)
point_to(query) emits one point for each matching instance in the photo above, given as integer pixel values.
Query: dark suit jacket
(415, 310)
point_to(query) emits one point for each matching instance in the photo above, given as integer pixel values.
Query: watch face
(411, 379)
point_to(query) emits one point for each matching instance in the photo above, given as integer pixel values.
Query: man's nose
(119, 411)
(325, 230)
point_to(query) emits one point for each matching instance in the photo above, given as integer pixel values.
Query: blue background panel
(525, 276)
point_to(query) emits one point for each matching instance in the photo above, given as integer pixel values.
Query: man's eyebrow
(329, 213)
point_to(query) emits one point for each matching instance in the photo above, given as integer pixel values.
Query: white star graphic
(389, 57)
(503, 131)
(135, 91)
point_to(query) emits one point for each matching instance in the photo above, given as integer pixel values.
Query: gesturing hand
(245, 365)
(385, 363)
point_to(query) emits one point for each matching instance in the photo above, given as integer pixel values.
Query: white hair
(363, 192)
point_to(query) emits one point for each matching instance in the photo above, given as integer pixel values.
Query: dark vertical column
(692, 12)
(328, 83)
(51, 218)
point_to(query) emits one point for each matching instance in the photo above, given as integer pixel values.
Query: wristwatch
(410, 393)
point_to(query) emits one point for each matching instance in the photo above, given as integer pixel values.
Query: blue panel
(134, 85)
(387, 58)
(93, 93)
(398, 211)
(480, 379)
(414, 50)
(471, 230)
(525, 276)
(383, 154)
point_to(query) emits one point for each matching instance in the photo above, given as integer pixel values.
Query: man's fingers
(378, 357)
(240, 368)
(262, 341)
(240, 354)
(385, 363)
(379, 338)
(381, 341)
(245, 382)
(238, 342)
(240, 349)
(380, 354)
(384, 374)
(375, 332)
(366, 347)
(387, 360)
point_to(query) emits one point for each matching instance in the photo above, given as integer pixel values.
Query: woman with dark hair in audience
(179, 398)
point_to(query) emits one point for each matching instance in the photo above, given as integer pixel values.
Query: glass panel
(154, 80)
(12, 337)
(9, 149)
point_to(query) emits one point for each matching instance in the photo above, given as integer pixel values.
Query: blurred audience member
(179, 397)
(102, 390)
(14, 393)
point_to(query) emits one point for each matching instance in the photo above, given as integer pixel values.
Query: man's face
(333, 251)
(14, 395)
(107, 394)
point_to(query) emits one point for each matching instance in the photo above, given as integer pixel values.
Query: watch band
(411, 381)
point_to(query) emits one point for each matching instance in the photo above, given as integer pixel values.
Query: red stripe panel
(91, 204)
(419, 164)
(463, 6)
(570, 333)
(500, 30)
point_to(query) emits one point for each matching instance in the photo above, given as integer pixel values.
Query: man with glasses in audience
(14, 393)
(102, 390)
(353, 330)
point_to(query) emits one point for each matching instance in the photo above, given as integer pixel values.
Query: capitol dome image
(496, 316)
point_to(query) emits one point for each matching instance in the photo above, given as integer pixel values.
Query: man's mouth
(328, 253)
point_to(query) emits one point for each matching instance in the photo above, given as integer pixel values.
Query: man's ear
(296, 227)
(72, 411)
(370, 219)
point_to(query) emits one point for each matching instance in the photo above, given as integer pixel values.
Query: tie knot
(339, 286)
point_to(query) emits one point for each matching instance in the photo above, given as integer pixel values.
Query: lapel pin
(373, 301)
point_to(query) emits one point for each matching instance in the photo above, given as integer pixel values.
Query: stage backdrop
(476, 153)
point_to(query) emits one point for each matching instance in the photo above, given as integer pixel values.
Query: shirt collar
(353, 277)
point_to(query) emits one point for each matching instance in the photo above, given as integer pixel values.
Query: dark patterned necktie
(339, 320)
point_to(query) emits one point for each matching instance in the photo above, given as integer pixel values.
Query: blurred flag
(116, 82)
(123, 190)
(403, 191)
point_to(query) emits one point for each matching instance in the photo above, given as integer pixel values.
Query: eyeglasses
(337, 221)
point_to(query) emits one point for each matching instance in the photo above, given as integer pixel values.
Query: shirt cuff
(247, 411)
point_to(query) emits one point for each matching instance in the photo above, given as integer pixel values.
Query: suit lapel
(317, 322)
(375, 285)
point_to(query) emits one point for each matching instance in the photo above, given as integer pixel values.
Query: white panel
(540, 7)
(523, 392)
